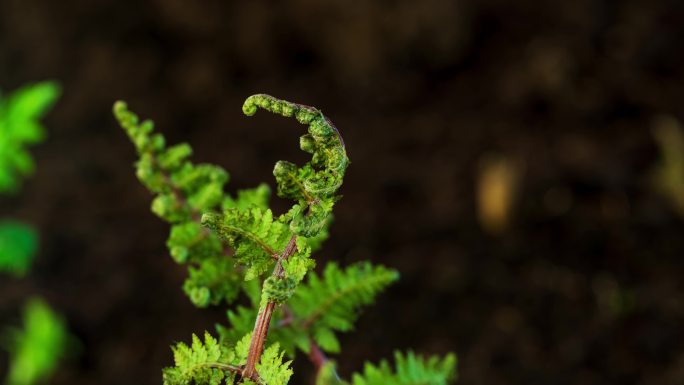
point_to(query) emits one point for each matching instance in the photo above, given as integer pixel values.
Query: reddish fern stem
(263, 321)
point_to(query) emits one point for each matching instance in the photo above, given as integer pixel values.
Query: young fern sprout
(268, 258)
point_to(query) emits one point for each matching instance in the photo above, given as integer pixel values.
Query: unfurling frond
(314, 185)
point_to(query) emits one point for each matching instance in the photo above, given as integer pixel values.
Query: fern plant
(235, 244)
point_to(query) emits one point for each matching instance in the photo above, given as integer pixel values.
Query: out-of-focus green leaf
(18, 245)
(20, 113)
(36, 349)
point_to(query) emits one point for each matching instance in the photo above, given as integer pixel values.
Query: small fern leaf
(246, 198)
(200, 363)
(256, 238)
(331, 302)
(271, 368)
(409, 369)
(213, 281)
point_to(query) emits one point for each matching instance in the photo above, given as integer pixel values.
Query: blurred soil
(582, 286)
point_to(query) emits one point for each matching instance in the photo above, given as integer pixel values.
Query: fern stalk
(263, 321)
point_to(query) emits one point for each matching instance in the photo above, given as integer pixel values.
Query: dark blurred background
(502, 161)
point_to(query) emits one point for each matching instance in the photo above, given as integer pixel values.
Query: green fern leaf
(200, 363)
(332, 303)
(246, 198)
(189, 241)
(214, 281)
(410, 369)
(255, 237)
(272, 369)
(184, 191)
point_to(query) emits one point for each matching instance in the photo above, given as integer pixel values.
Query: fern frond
(303, 316)
(201, 363)
(409, 369)
(246, 198)
(214, 363)
(331, 303)
(189, 241)
(315, 184)
(256, 238)
(20, 115)
(184, 191)
(271, 368)
(213, 281)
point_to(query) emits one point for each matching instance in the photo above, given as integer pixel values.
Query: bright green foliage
(409, 370)
(272, 369)
(36, 349)
(20, 113)
(319, 307)
(213, 281)
(210, 362)
(184, 191)
(237, 243)
(203, 363)
(253, 234)
(277, 290)
(18, 245)
(331, 303)
(258, 196)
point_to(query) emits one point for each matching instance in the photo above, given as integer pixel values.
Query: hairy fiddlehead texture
(268, 255)
(314, 184)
